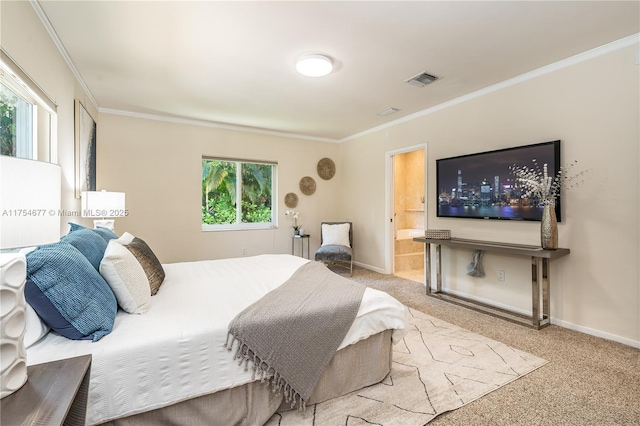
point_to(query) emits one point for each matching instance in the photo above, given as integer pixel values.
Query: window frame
(43, 146)
(239, 225)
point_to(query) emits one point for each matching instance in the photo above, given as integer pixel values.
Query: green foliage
(7, 124)
(255, 213)
(219, 192)
(220, 211)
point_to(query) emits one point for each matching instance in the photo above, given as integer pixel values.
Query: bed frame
(359, 365)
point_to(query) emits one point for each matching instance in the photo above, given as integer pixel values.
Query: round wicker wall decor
(291, 200)
(326, 168)
(307, 185)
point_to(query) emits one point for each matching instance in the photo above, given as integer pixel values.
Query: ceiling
(233, 63)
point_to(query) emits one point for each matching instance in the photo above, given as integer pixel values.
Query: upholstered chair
(336, 244)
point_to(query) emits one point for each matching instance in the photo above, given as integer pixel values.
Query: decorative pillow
(89, 243)
(105, 233)
(68, 293)
(36, 329)
(127, 279)
(336, 234)
(150, 263)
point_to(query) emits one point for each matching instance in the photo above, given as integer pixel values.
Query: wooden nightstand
(55, 394)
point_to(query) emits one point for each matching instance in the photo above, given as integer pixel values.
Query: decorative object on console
(307, 185)
(543, 187)
(475, 268)
(85, 147)
(294, 215)
(438, 234)
(291, 200)
(549, 227)
(103, 204)
(29, 204)
(326, 168)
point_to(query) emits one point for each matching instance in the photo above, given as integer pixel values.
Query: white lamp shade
(103, 204)
(29, 202)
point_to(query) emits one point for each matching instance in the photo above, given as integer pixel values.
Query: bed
(169, 364)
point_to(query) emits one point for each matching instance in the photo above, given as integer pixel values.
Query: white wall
(593, 107)
(159, 166)
(25, 39)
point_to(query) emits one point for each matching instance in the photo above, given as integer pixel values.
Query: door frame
(389, 197)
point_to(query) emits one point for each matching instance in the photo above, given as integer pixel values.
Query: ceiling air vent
(388, 111)
(421, 79)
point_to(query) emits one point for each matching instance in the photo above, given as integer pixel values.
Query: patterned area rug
(438, 367)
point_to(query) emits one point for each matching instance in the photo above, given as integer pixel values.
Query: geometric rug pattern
(438, 367)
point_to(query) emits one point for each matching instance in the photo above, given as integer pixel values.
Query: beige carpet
(438, 367)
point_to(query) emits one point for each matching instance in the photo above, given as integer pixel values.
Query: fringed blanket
(291, 334)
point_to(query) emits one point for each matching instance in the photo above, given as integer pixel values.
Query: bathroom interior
(409, 213)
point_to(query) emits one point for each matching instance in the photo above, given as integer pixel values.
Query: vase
(296, 232)
(549, 227)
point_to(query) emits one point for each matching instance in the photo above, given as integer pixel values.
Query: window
(16, 125)
(27, 115)
(237, 194)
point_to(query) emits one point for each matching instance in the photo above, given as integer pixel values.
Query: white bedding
(175, 351)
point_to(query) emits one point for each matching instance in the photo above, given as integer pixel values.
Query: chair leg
(351, 269)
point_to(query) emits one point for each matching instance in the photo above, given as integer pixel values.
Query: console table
(540, 259)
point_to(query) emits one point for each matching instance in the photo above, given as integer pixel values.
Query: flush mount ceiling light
(314, 65)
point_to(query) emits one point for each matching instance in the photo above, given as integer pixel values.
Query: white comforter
(175, 351)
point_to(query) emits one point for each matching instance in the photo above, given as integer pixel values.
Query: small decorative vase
(549, 227)
(296, 232)
(301, 232)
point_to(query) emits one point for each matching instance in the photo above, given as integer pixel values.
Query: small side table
(55, 394)
(301, 238)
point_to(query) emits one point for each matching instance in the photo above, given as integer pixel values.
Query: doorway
(406, 205)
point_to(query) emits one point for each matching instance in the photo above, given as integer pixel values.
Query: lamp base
(13, 274)
(105, 223)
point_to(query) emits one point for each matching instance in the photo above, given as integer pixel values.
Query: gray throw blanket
(291, 334)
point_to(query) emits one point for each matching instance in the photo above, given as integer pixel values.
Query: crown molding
(573, 60)
(56, 40)
(213, 124)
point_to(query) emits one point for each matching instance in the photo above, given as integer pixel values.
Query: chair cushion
(334, 252)
(335, 234)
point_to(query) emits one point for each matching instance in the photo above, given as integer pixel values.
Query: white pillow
(335, 234)
(36, 328)
(124, 274)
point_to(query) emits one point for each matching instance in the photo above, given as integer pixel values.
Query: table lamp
(103, 204)
(29, 216)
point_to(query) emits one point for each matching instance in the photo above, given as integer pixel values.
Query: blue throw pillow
(77, 292)
(49, 314)
(105, 233)
(89, 243)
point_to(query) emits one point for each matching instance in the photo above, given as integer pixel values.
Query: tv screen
(482, 186)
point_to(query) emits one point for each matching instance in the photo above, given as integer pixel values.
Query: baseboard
(369, 267)
(596, 333)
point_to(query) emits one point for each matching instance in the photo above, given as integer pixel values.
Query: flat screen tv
(482, 186)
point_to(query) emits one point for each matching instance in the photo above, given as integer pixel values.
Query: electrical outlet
(501, 276)
(244, 251)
